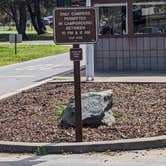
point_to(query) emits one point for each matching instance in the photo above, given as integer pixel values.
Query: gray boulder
(96, 110)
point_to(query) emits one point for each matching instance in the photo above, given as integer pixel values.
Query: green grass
(28, 52)
(31, 34)
(6, 28)
(46, 36)
(4, 37)
(28, 29)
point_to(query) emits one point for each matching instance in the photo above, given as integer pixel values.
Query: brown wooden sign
(76, 54)
(75, 25)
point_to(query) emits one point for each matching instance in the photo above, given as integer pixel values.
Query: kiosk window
(112, 20)
(149, 17)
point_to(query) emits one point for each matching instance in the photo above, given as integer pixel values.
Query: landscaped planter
(32, 116)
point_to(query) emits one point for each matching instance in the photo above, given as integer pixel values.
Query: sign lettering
(75, 25)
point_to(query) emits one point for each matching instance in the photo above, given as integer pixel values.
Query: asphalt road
(21, 75)
(133, 158)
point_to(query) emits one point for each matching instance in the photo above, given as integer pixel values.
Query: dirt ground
(32, 116)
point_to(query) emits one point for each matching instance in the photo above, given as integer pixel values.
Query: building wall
(131, 54)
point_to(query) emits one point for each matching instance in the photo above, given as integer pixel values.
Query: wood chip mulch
(139, 109)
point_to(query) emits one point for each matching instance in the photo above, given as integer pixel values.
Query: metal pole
(88, 2)
(15, 41)
(77, 92)
(89, 56)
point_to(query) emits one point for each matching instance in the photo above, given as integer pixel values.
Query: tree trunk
(21, 21)
(32, 15)
(35, 14)
(14, 15)
(41, 26)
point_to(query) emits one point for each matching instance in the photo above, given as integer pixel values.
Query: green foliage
(136, 89)
(59, 109)
(119, 99)
(40, 151)
(84, 134)
(126, 117)
(115, 114)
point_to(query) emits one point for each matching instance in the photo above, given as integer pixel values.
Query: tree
(61, 3)
(4, 18)
(16, 9)
(35, 14)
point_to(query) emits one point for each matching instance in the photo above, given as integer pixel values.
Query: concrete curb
(84, 147)
(65, 80)
(24, 89)
(52, 148)
(83, 80)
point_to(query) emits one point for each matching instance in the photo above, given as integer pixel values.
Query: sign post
(75, 26)
(76, 57)
(15, 38)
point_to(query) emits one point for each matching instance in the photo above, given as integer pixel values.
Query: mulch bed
(139, 109)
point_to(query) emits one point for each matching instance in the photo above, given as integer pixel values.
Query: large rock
(96, 110)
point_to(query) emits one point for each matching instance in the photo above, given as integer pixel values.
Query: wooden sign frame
(65, 33)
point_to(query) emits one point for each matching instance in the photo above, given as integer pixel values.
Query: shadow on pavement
(31, 161)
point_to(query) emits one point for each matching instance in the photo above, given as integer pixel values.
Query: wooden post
(77, 92)
(130, 17)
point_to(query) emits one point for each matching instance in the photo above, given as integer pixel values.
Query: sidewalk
(134, 77)
(123, 77)
(133, 158)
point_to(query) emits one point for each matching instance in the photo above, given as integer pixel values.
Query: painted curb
(84, 147)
